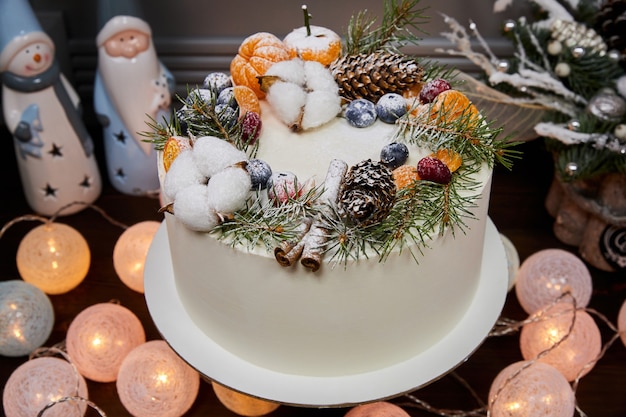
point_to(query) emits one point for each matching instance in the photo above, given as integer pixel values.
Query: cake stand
(218, 364)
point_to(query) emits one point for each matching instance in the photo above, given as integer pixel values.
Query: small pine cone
(572, 34)
(368, 193)
(611, 24)
(371, 76)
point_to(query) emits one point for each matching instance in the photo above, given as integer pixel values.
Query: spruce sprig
(398, 26)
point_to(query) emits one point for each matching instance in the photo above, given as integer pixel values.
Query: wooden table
(517, 209)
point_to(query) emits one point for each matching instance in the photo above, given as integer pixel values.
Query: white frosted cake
(346, 257)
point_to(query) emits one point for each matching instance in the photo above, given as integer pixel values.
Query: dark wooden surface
(517, 209)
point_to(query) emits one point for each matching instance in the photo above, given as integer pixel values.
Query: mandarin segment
(451, 158)
(247, 100)
(404, 176)
(172, 148)
(256, 54)
(452, 104)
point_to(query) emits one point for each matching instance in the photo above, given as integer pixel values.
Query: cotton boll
(318, 77)
(288, 71)
(182, 173)
(212, 155)
(191, 207)
(321, 106)
(287, 101)
(229, 189)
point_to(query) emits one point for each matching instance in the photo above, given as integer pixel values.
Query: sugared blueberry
(360, 113)
(202, 95)
(433, 169)
(217, 81)
(390, 107)
(394, 154)
(227, 97)
(432, 88)
(260, 173)
(282, 187)
(227, 115)
(250, 127)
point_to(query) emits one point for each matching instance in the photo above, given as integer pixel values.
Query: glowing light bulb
(621, 322)
(377, 409)
(26, 318)
(129, 254)
(526, 389)
(574, 356)
(243, 404)
(41, 381)
(154, 382)
(100, 337)
(53, 257)
(545, 275)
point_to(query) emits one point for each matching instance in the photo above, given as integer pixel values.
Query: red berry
(433, 169)
(250, 127)
(432, 88)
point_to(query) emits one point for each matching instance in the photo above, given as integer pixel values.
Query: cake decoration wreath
(215, 184)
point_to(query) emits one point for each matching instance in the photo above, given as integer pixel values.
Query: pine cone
(368, 193)
(572, 34)
(611, 23)
(370, 76)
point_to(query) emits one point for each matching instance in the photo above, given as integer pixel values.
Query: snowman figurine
(54, 151)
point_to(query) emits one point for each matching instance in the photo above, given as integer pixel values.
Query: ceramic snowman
(132, 87)
(41, 109)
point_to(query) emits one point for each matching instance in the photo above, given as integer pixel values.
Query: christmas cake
(316, 226)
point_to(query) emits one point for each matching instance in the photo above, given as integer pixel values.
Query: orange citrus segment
(173, 147)
(452, 159)
(322, 45)
(452, 104)
(404, 176)
(246, 99)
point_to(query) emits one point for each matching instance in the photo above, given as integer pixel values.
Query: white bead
(562, 69)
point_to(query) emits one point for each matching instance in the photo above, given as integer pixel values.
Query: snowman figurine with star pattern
(54, 151)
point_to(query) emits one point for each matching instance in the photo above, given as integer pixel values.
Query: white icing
(337, 321)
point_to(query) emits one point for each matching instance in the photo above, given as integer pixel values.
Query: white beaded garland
(40, 382)
(525, 389)
(26, 318)
(547, 274)
(53, 257)
(100, 337)
(555, 47)
(571, 349)
(562, 69)
(130, 252)
(154, 382)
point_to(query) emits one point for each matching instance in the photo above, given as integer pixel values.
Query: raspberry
(250, 127)
(433, 169)
(282, 187)
(432, 88)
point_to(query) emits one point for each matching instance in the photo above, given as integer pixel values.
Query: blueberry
(200, 94)
(394, 154)
(360, 113)
(391, 107)
(260, 173)
(217, 81)
(227, 97)
(227, 115)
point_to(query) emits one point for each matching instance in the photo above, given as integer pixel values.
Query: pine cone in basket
(611, 23)
(370, 76)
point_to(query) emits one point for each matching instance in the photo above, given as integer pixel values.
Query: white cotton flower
(289, 94)
(228, 190)
(287, 100)
(182, 173)
(212, 155)
(192, 208)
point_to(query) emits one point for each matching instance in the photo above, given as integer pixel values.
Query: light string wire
(60, 350)
(505, 326)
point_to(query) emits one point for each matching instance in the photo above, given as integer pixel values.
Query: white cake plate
(218, 364)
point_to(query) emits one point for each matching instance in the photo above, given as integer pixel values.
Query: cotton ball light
(546, 275)
(621, 322)
(154, 382)
(242, 404)
(100, 337)
(53, 257)
(377, 409)
(130, 252)
(26, 317)
(530, 389)
(40, 382)
(574, 356)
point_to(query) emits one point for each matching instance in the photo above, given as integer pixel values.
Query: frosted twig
(461, 39)
(570, 137)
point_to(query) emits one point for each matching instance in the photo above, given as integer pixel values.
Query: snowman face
(31, 60)
(128, 43)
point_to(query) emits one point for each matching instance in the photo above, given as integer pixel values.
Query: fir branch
(160, 132)
(396, 30)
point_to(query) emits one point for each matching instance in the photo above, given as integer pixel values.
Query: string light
(242, 404)
(130, 251)
(26, 315)
(100, 337)
(154, 382)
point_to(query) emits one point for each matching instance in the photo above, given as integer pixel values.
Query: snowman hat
(19, 27)
(115, 16)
